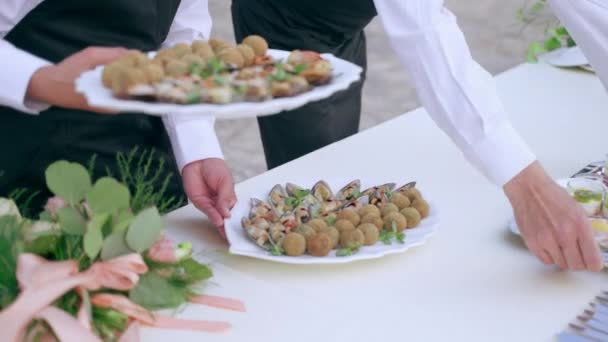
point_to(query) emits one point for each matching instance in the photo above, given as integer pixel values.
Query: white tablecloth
(473, 281)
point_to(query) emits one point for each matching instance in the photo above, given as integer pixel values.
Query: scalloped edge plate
(240, 244)
(344, 74)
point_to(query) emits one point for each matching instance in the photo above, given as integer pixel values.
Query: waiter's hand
(54, 84)
(553, 225)
(209, 186)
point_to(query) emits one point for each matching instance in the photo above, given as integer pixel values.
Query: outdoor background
(497, 40)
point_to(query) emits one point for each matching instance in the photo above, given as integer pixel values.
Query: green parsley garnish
(298, 69)
(387, 237)
(193, 96)
(352, 249)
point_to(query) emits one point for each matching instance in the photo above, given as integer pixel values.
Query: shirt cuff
(192, 139)
(18, 75)
(502, 155)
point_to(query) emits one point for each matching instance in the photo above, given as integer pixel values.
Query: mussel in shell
(261, 209)
(289, 221)
(293, 190)
(302, 214)
(322, 191)
(277, 195)
(349, 192)
(256, 231)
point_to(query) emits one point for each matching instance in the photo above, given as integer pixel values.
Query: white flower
(9, 208)
(41, 227)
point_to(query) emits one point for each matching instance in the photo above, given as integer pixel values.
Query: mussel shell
(350, 191)
(310, 200)
(406, 186)
(385, 187)
(277, 195)
(322, 191)
(354, 204)
(292, 189)
(261, 209)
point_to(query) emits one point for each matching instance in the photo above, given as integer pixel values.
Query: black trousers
(28, 144)
(292, 134)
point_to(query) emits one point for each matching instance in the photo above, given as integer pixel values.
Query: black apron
(54, 30)
(327, 26)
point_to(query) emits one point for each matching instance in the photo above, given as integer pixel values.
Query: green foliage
(71, 181)
(108, 322)
(137, 172)
(24, 197)
(387, 236)
(71, 221)
(122, 220)
(297, 198)
(114, 245)
(144, 230)
(154, 292)
(108, 196)
(93, 238)
(350, 250)
(9, 249)
(556, 35)
(108, 224)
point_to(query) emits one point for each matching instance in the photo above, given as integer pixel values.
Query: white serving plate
(241, 244)
(344, 74)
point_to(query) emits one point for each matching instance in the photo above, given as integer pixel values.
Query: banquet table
(472, 281)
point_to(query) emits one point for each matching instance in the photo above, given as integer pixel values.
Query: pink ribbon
(43, 281)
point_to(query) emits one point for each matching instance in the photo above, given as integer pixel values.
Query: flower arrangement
(92, 267)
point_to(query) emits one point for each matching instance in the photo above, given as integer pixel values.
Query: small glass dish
(590, 193)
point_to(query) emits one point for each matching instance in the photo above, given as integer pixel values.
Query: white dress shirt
(457, 92)
(587, 22)
(191, 138)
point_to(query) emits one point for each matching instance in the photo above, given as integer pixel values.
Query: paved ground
(497, 42)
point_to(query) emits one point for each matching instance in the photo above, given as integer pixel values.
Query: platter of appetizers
(216, 78)
(324, 222)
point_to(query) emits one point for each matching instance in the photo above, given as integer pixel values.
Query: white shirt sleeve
(192, 138)
(587, 22)
(15, 77)
(458, 93)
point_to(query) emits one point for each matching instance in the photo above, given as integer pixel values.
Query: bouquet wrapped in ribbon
(91, 269)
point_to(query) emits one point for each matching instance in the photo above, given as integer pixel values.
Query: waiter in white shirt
(457, 92)
(46, 44)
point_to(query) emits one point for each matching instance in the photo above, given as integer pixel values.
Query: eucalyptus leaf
(194, 271)
(46, 216)
(114, 246)
(145, 230)
(42, 244)
(71, 181)
(154, 292)
(71, 221)
(93, 238)
(108, 196)
(122, 221)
